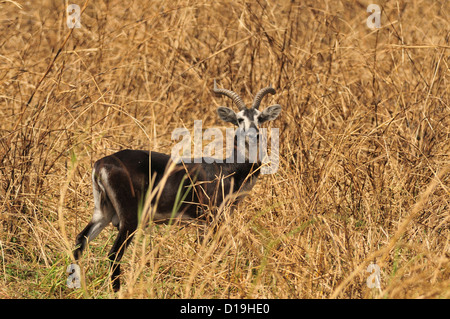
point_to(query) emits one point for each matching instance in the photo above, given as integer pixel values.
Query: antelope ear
(270, 113)
(226, 114)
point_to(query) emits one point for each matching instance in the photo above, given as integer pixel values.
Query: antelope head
(248, 120)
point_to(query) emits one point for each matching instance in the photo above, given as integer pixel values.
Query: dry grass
(364, 144)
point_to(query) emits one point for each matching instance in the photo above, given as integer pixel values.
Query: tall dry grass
(364, 144)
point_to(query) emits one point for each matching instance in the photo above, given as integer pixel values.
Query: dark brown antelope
(122, 181)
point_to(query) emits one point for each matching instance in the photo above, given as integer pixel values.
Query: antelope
(121, 181)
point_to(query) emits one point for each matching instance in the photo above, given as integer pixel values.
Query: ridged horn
(259, 96)
(232, 95)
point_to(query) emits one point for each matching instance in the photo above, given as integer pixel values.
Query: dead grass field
(364, 172)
